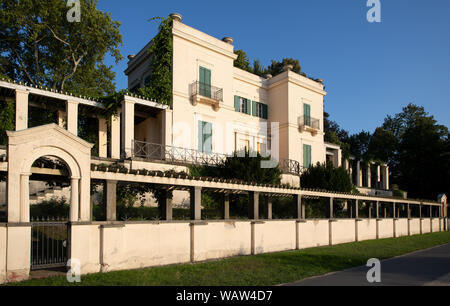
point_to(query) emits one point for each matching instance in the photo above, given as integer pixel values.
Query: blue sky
(370, 69)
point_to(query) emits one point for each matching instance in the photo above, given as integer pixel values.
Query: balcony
(309, 124)
(207, 94)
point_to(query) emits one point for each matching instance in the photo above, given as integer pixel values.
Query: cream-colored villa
(217, 110)
(221, 109)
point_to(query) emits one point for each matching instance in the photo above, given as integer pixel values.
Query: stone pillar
(111, 200)
(102, 137)
(394, 210)
(431, 212)
(127, 128)
(409, 211)
(369, 176)
(21, 109)
(166, 207)
(298, 203)
(358, 173)
(378, 210)
(74, 199)
(62, 118)
(253, 205)
(196, 203)
(385, 177)
(226, 207)
(378, 177)
(330, 209)
(72, 117)
(166, 130)
(115, 136)
(369, 209)
(356, 209)
(25, 197)
(269, 208)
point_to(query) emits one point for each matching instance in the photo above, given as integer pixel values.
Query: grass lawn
(260, 270)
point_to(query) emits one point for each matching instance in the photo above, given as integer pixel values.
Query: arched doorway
(27, 146)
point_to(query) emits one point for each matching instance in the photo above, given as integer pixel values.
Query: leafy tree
(327, 177)
(7, 111)
(276, 67)
(422, 160)
(38, 45)
(258, 69)
(242, 61)
(383, 146)
(359, 144)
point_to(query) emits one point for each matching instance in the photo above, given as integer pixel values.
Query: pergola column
(253, 207)
(196, 203)
(111, 200)
(330, 209)
(226, 207)
(369, 176)
(72, 117)
(356, 209)
(102, 137)
(369, 209)
(385, 177)
(378, 210)
(74, 199)
(166, 207)
(378, 176)
(21, 109)
(269, 208)
(25, 197)
(115, 136)
(394, 210)
(127, 127)
(299, 208)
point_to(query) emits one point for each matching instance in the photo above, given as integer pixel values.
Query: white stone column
(61, 118)
(385, 177)
(102, 137)
(358, 173)
(369, 176)
(127, 127)
(378, 176)
(21, 109)
(72, 117)
(25, 197)
(74, 199)
(115, 136)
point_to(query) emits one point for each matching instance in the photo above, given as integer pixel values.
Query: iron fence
(291, 166)
(49, 242)
(206, 90)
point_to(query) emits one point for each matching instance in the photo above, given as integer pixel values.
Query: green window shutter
(265, 111)
(200, 136)
(237, 103)
(307, 114)
(254, 110)
(205, 82)
(306, 156)
(249, 107)
(207, 137)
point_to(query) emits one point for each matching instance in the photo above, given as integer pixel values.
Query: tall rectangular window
(242, 105)
(205, 82)
(307, 114)
(307, 162)
(259, 110)
(205, 137)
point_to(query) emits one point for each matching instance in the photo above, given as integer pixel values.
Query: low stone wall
(343, 231)
(401, 227)
(314, 233)
(103, 247)
(367, 229)
(385, 228)
(435, 225)
(414, 226)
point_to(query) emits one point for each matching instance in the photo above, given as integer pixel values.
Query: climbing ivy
(161, 61)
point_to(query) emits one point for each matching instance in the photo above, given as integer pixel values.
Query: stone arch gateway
(26, 146)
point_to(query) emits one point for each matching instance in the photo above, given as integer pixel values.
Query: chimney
(228, 40)
(176, 16)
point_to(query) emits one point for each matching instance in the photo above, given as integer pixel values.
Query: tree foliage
(161, 50)
(242, 61)
(327, 177)
(39, 46)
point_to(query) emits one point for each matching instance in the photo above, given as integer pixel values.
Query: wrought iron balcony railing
(159, 152)
(207, 91)
(308, 122)
(152, 151)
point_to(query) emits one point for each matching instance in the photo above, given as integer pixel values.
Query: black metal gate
(49, 243)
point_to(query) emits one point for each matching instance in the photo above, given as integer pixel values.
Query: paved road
(423, 268)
